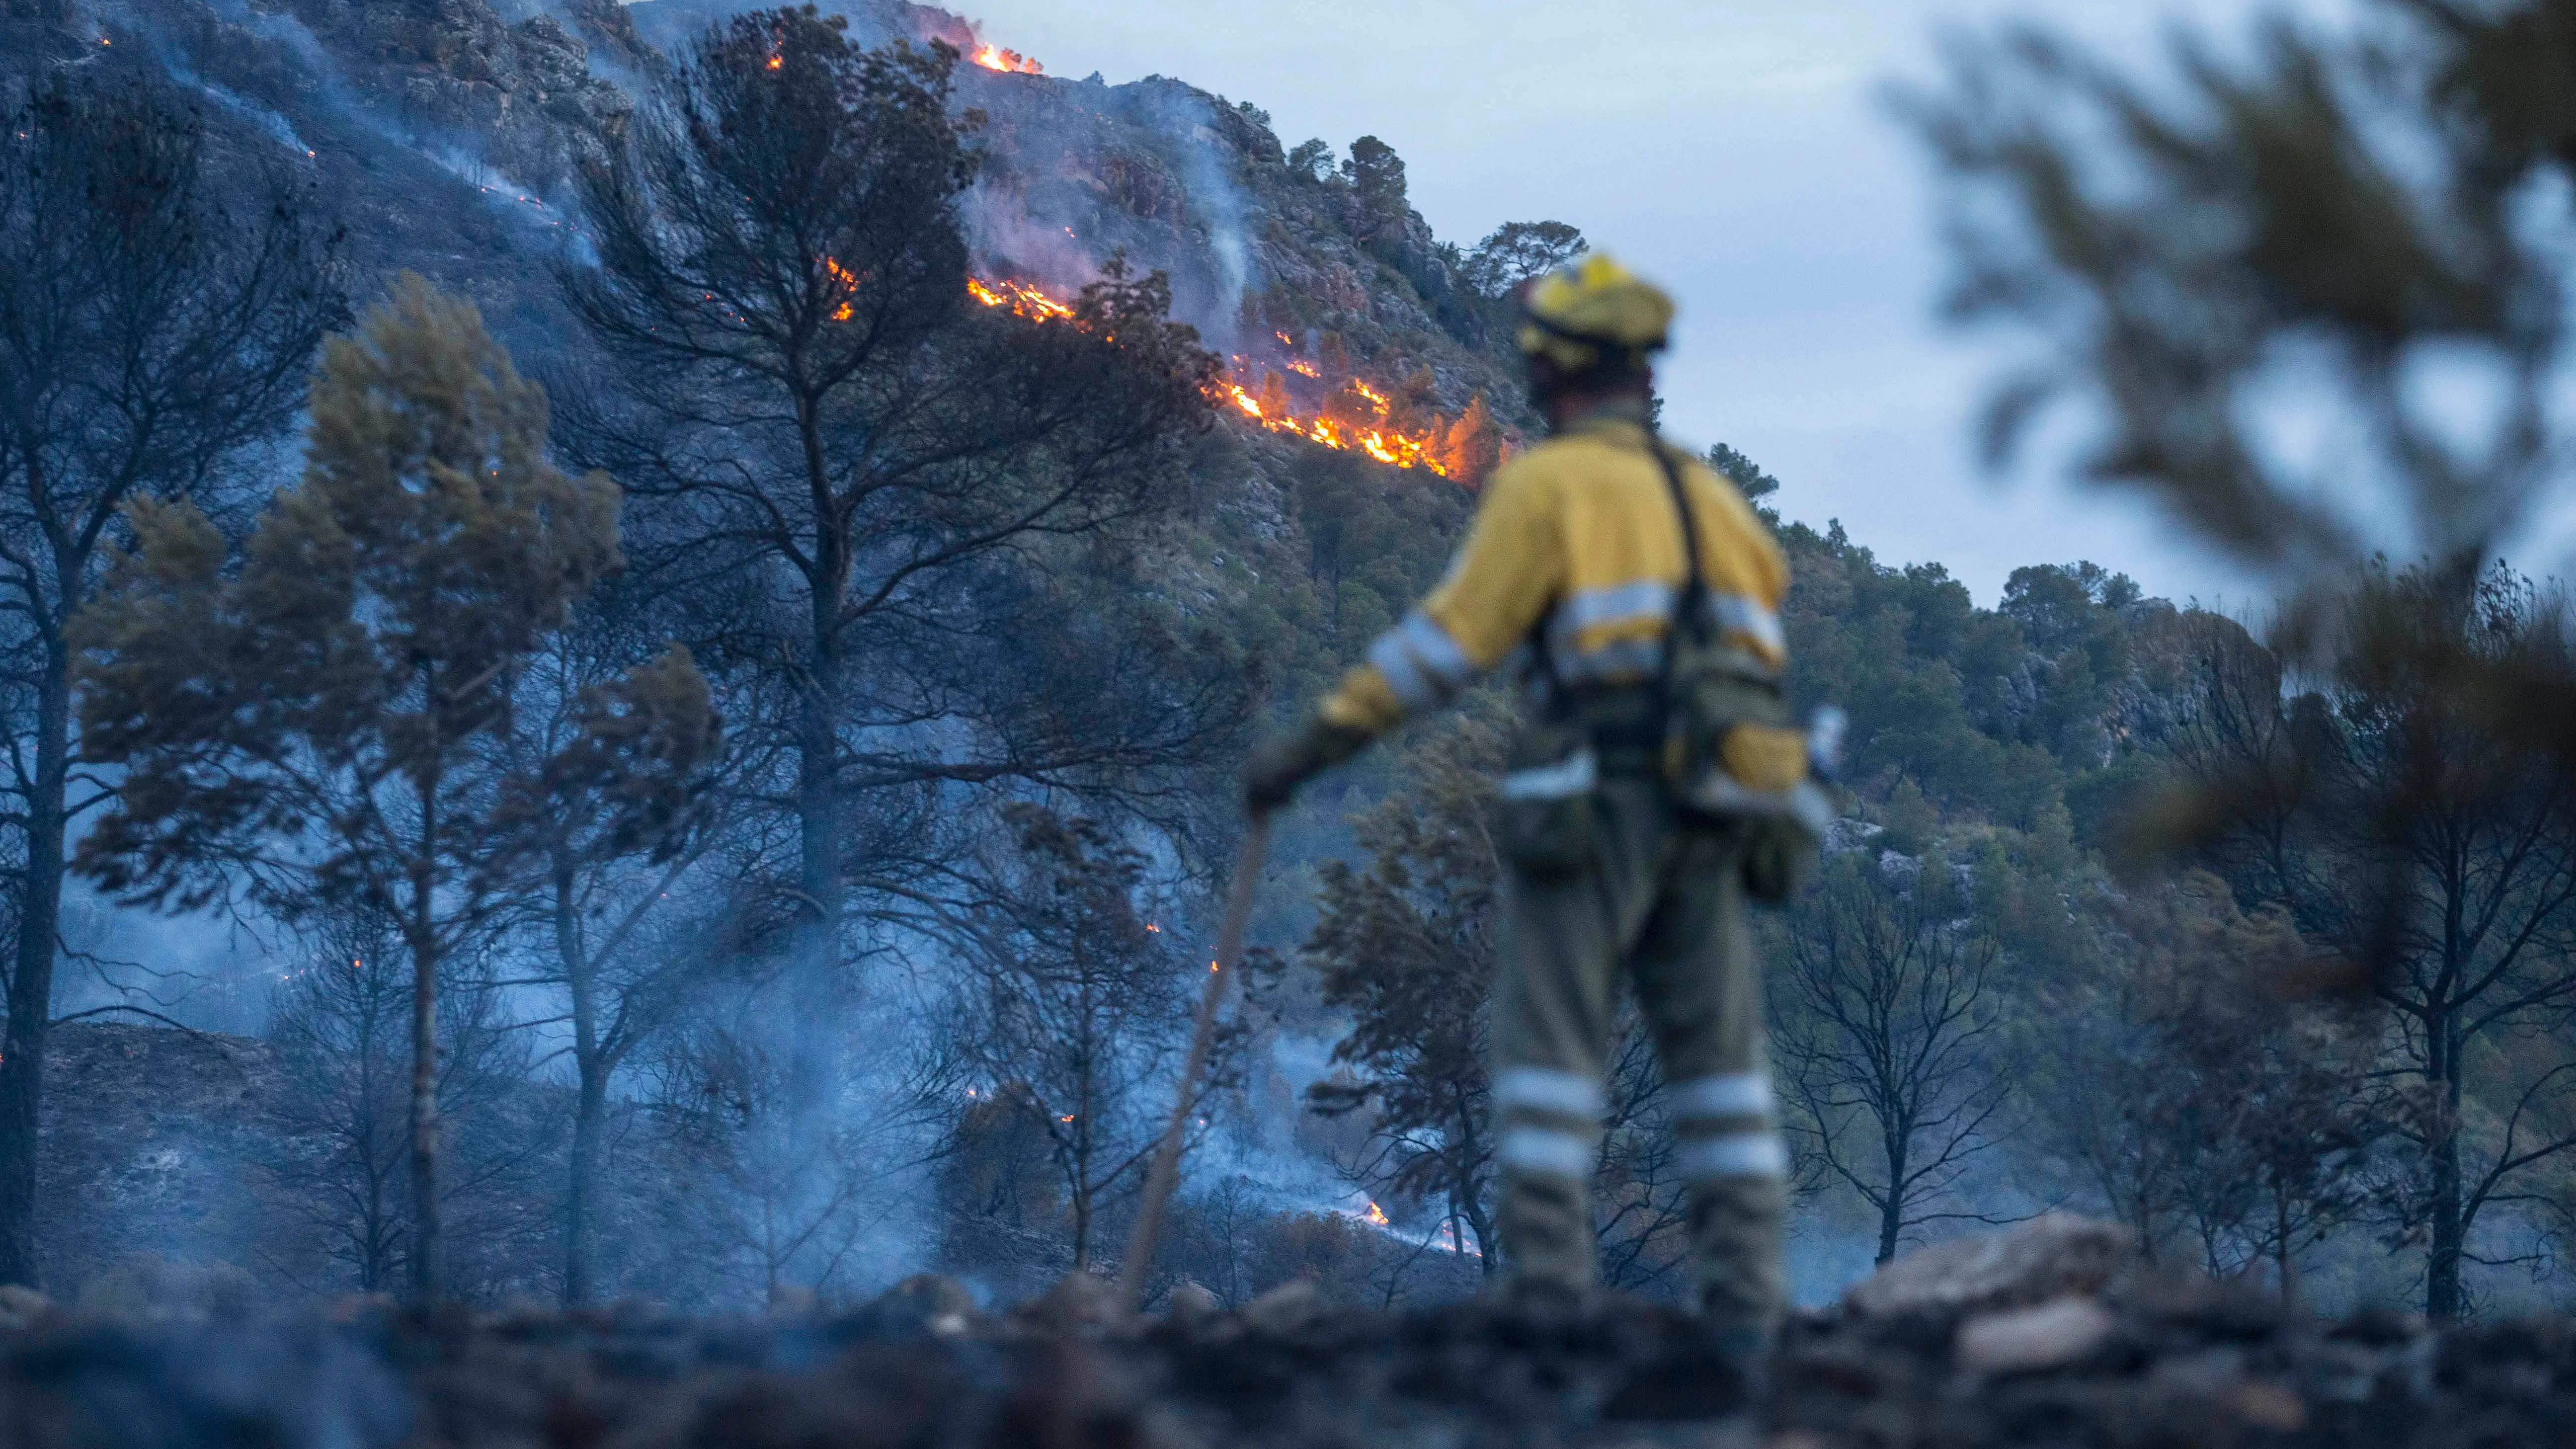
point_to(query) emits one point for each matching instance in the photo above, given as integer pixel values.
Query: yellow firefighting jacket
(1575, 550)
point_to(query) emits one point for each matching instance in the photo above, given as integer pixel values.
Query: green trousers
(1663, 903)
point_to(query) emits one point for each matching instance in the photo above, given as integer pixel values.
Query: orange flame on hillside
(1010, 62)
(1374, 435)
(1023, 299)
(1381, 442)
(1377, 1216)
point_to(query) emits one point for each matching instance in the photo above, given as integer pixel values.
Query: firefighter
(1654, 786)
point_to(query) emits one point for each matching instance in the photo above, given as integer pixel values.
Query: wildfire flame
(1378, 440)
(1376, 1215)
(1382, 443)
(1022, 299)
(1010, 62)
(841, 275)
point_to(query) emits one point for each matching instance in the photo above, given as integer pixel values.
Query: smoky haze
(890, 976)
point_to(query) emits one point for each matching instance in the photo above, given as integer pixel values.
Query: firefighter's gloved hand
(1283, 762)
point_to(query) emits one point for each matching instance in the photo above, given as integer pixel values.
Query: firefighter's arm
(1510, 566)
(1745, 568)
(1505, 574)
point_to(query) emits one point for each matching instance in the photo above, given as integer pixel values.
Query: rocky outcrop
(455, 72)
(2049, 1257)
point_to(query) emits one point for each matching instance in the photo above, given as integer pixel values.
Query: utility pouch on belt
(1729, 748)
(1544, 824)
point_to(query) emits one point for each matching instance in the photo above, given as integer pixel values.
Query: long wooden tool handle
(1166, 1171)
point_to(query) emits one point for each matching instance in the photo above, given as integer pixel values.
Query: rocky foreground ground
(2038, 1337)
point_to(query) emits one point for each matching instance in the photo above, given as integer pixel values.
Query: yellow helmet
(1578, 315)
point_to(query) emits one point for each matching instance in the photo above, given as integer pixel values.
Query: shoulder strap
(1690, 606)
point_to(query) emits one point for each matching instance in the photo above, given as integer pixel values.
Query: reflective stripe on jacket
(1578, 531)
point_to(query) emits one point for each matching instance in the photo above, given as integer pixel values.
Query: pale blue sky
(1740, 152)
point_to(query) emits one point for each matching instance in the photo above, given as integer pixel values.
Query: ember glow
(849, 285)
(993, 57)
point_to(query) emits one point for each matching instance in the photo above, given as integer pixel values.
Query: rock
(349, 1308)
(1285, 1309)
(1079, 1300)
(2054, 1256)
(1190, 1301)
(923, 1303)
(1074, 1396)
(2267, 1405)
(2032, 1340)
(2209, 1373)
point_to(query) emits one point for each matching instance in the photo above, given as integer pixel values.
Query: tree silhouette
(155, 324)
(902, 488)
(1889, 1006)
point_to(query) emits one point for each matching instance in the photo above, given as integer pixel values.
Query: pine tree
(325, 725)
(150, 337)
(1379, 208)
(1517, 251)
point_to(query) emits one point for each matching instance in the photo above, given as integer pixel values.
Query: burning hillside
(1346, 413)
(1346, 426)
(1020, 298)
